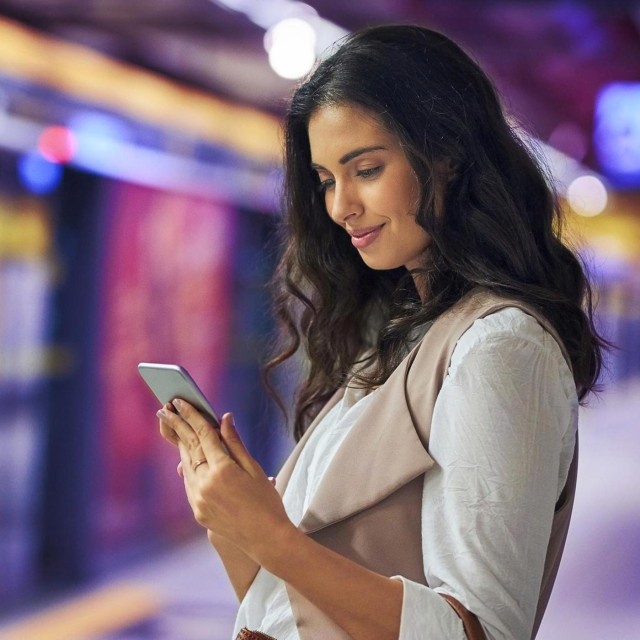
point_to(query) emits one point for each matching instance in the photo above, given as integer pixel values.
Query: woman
(449, 336)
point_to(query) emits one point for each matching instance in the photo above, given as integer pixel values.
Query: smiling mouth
(364, 237)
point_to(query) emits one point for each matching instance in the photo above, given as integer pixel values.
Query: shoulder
(503, 326)
(507, 383)
(515, 341)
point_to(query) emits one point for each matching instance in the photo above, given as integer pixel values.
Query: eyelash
(363, 173)
(369, 173)
(324, 185)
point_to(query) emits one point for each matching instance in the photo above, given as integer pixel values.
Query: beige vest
(368, 504)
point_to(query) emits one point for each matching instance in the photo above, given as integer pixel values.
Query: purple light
(617, 132)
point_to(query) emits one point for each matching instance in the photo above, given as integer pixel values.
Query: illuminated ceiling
(549, 58)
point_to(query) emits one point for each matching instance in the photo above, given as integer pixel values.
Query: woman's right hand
(239, 567)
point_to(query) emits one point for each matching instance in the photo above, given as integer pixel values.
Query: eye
(323, 185)
(369, 173)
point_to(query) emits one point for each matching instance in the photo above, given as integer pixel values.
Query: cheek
(403, 193)
(412, 188)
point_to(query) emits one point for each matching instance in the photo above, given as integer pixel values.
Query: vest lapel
(386, 437)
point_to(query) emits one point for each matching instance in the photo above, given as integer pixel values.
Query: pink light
(57, 144)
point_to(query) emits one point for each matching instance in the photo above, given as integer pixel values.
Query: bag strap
(246, 634)
(472, 627)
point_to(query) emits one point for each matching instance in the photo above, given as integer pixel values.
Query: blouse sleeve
(502, 437)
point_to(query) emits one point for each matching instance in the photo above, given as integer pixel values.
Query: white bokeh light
(291, 45)
(587, 196)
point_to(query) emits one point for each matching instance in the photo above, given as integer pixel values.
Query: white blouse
(502, 436)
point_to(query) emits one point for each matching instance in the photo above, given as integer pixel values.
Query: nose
(343, 203)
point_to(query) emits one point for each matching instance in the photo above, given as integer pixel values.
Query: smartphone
(171, 381)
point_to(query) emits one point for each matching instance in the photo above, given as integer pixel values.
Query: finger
(188, 464)
(185, 461)
(184, 432)
(207, 436)
(168, 433)
(165, 430)
(194, 450)
(188, 475)
(232, 440)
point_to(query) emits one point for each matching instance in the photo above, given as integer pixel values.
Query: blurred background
(139, 187)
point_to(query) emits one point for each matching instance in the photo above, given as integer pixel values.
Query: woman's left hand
(227, 489)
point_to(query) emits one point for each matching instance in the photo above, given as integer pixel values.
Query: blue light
(617, 132)
(37, 174)
(99, 139)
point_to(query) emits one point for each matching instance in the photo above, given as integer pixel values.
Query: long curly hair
(499, 226)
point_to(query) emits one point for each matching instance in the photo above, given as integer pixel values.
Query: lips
(362, 238)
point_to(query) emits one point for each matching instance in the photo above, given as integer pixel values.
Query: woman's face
(369, 187)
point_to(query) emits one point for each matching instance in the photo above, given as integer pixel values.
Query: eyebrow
(351, 155)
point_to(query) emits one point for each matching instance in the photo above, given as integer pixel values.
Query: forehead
(337, 129)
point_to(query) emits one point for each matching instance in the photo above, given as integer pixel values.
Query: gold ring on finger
(197, 463)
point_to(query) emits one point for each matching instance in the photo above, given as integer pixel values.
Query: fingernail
(160, 413)
(177, 403)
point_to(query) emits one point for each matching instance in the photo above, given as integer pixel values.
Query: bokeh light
(291, 45)
(99, 136)
(37, 174)
(57, 144)
(617, 132)
(587, 196)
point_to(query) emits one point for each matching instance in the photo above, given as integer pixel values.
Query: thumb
(234, 444)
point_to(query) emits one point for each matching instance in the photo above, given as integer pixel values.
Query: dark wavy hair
(498, 228)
